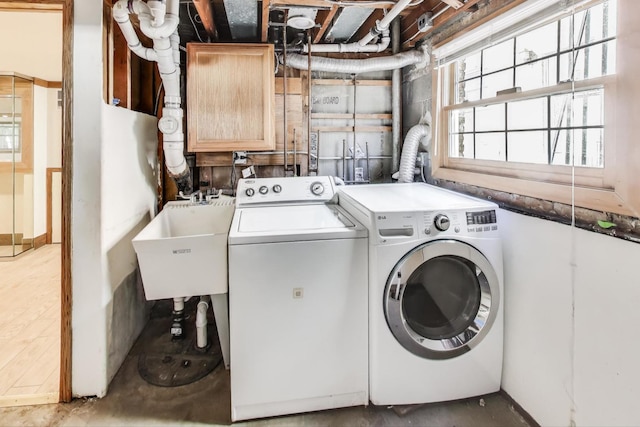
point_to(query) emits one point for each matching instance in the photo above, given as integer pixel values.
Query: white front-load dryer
(435, 292)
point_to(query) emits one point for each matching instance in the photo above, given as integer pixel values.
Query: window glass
(498, 57)
(468, 90)
(490, 146)
(585, 144)
(537, 44)
(527, 114)
(461, 145)
(492, 83)
(528, 147)
(469, 66)
(490, 118)
(537, 74)
(461, 121)
(589, 62)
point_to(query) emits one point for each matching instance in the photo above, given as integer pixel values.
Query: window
(9, 137)
(537, 105)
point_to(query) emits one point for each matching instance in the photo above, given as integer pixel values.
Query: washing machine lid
(293, 223)
(410, 197)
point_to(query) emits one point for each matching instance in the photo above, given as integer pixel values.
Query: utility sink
(182, 252)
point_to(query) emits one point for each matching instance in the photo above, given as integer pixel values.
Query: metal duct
(243, 18)
(355, 66)
(410, 148)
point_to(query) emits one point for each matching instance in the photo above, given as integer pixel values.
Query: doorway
(37, 283)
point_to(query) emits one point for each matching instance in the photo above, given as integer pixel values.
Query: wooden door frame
(50, 172)
(67, 174)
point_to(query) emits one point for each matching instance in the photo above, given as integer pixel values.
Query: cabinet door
(230, 97)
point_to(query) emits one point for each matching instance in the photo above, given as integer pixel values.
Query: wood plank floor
(30, 327)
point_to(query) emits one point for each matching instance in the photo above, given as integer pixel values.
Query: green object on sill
(606, 224)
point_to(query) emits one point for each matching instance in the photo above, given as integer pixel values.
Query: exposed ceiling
(242, 21)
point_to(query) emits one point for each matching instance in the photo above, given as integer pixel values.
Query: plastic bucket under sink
(182, 252)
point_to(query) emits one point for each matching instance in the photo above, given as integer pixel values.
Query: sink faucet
(196, 197)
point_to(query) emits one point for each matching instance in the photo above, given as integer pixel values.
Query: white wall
(560, 366)
(129, 182)
(54, 130)
(27, 51)
(113, 197)
(40, 142)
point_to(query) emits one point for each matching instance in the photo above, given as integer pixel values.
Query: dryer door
(441, 299)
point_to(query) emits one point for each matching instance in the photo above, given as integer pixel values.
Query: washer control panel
(299, 189)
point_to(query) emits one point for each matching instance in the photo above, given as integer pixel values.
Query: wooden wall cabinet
(230, 97)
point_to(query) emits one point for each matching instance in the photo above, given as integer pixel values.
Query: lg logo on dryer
(381, 217)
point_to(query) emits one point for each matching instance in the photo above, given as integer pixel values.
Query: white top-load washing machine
(435, 292)
(297, 299)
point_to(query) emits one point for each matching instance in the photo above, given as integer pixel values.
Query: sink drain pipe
(159, 21)
(201, 322)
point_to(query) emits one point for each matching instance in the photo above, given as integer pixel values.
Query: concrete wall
(570, 306)
(113, 198)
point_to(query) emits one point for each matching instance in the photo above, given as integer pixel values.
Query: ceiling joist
(325, 19)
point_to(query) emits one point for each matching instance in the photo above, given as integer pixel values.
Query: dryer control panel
(400, 226)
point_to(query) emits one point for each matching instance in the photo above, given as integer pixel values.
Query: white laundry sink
(182, 252)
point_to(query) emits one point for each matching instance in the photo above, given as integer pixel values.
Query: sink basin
(182, 252)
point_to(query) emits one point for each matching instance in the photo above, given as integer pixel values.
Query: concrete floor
(133, 402)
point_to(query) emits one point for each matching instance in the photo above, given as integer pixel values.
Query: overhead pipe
(410, 148)
(121, 11)
(159, 21)
(362, 45)
(355, 66)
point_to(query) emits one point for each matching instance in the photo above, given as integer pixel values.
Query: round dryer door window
(441, 299)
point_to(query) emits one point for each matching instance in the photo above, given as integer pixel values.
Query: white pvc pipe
(178, 304)
(121, 16)
(384, 23)
(362, 45)
(159, 21)
(355, 47)
(201, 322)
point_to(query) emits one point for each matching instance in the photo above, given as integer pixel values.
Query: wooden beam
(411, 35)
(121, 69)
(303, 3)
(349, 116)
(367, 25)
(351, 129)
(203, 7)
(324, 18)
(266, 8)
(293, 85)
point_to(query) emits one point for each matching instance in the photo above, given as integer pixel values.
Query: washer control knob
(317, 188)
(277, 188)
(263, 190)
(249, 192)
(441, 222)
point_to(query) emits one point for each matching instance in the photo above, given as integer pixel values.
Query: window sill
(605, 200)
